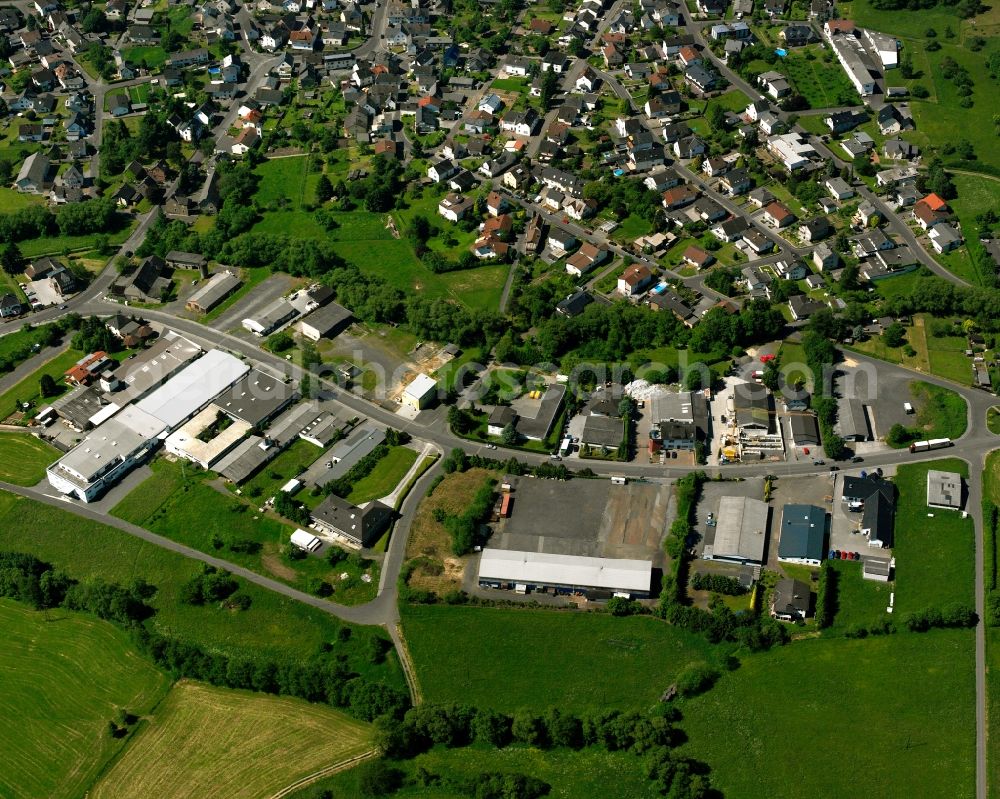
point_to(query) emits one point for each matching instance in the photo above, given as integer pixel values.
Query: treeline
(820, 356)
(30, 580)
(653, 737)
(990, 523)
(97, 215)
(962, 8)
(458, 461)
(827, 595)
(322, 678)
(954, 614)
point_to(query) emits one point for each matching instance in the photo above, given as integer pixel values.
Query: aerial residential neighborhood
(449, 398)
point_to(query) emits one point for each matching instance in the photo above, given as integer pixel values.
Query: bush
(378, 778)
(826, 595)
(696, 679)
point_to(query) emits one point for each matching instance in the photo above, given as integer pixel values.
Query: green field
(13, 200)
(890, 716)
(584, 774)
(935, 555)
(384, 478)
(993, 420)
(23, 458)
(60, 245)
(286, 181)
(28, 391)
(13, 345)
(273, 625)
(64, 677)
(178, 501)
(511, 659)
(206, 741)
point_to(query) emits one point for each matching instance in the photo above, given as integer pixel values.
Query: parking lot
(884, 392)
(592, 518)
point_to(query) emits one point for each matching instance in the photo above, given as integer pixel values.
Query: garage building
(595, 577)
(803, 533)
(325, 322)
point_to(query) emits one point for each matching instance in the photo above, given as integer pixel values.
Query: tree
(550, 85)
(324, 189)
(378, 778)
(47, 386)
(626, 407)
(509, 435)
(894, 335)
(94, 21)
(12, 259)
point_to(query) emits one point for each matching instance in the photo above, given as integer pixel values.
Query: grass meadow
(934, 548)
(273, 625)
(892, 716)
(28, 389)
(513, 659)
(23, 458)
(287, 187)
(64, 677)
(208, 741)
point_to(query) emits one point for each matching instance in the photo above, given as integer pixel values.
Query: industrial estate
(499, 399)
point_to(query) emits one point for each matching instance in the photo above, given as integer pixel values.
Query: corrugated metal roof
(540, 568)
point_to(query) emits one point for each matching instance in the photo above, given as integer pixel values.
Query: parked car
(819, 462)
(857, 459)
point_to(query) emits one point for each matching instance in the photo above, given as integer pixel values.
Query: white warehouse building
(118, 444)
(524, 571)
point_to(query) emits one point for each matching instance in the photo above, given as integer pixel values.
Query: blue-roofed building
(803, 534)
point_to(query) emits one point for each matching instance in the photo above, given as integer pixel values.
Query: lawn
(28, 391)
(12, 200)
(384, 478)
(934, 548)
(584, 774)
(948, 358)
(65, 676)
(60, 245)
(895, 713)
(23, 458)
(178, 502)
(860, 602)
(205, 741)
(274, 625)
(991, 491)
(512, 659)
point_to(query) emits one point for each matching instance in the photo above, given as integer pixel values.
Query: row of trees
(654, 736)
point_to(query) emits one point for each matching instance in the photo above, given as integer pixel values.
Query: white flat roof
(569, 570)
(193, 387)
(422, 385)
(117, 438)
(185, 440)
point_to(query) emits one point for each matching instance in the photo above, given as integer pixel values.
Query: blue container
(781, 52)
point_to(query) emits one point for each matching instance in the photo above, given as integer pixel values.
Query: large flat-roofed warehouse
(592, 518)
(595, 577)
(740, 532)
(106, 454)
(256, 398)
(193, 388)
